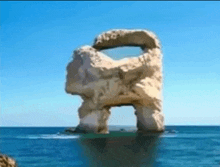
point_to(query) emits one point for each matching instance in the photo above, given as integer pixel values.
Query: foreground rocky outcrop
(103, 82)
(6, 161)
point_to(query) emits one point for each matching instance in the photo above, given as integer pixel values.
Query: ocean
(178, 146)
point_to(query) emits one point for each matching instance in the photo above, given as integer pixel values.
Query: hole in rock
(122, 117)
(123, 52)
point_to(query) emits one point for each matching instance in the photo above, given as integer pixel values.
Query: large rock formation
(103, 82)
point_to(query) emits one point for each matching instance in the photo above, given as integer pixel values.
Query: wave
(191, 136)
(166, 134)
(216, 140)
(49, 136)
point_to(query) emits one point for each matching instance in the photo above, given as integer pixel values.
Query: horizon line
(15, 126)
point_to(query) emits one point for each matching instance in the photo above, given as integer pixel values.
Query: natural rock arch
(103, 82)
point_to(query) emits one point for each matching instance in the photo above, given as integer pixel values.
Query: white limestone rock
(103, 82)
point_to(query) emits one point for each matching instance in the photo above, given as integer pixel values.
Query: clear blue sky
(37, 40)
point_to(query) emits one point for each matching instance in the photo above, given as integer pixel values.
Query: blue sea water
(178, 146)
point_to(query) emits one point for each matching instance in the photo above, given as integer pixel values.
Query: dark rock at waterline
(75, 130)
(78, 130)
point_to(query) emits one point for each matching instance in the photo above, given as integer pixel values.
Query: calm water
(179, 146)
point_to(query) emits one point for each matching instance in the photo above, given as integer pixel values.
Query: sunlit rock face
(103, 82)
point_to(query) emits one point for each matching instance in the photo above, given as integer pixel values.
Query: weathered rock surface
(103, 82)
(6, 161)
(116, 38)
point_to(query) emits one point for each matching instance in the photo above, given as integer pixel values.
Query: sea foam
(49, 136)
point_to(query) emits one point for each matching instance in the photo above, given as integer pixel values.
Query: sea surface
(178, 146)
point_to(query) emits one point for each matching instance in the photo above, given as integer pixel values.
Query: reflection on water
(134, 150)
(178, 146)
